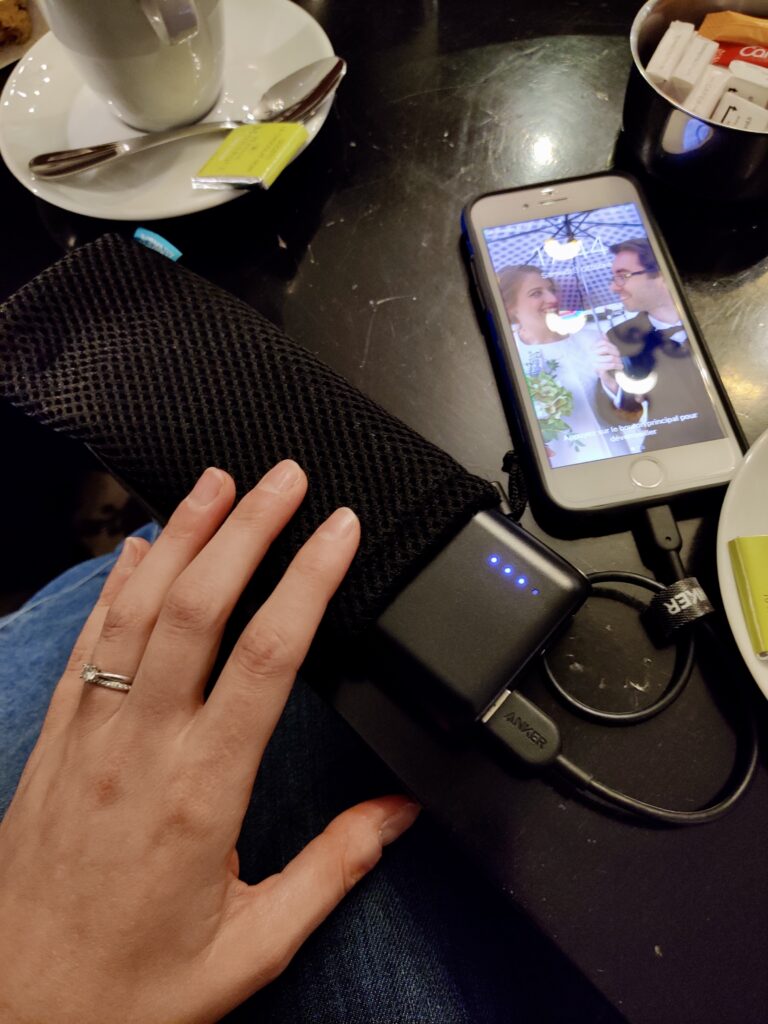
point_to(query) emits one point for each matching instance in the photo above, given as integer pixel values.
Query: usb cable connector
(524, 729)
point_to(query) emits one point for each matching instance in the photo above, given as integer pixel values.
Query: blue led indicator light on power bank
(509, 570)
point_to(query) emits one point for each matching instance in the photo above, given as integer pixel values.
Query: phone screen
(596, 329)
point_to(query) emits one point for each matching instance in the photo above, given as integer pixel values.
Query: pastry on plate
(15, 23)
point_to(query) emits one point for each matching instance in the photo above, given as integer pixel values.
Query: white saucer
(744, 513)
(46, 106)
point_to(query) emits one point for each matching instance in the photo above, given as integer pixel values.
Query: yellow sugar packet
(749, 558)
(252, 155)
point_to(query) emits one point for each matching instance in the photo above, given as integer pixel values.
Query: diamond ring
(109, 680)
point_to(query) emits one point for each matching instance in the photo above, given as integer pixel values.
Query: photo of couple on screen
(606, 357)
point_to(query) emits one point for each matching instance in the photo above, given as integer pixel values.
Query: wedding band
(109, 680)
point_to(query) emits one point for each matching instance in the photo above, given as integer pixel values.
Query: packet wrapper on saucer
(749, 558)
(252, 156)
(735, 27)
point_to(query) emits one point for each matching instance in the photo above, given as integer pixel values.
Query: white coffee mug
(156, 63)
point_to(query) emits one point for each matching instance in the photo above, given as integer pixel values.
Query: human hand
(606, 360)
(119, 891)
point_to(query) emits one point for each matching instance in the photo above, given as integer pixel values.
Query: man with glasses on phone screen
(660, 386)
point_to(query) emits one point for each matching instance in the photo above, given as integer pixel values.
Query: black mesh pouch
(161, 374)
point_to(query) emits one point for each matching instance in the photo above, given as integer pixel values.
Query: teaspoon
(295, 98)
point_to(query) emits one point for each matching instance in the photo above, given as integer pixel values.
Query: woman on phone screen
(561, 370)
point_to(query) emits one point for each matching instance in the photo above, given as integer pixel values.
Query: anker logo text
(686, 599)
(525, 727)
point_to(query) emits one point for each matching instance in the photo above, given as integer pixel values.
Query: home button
(646, 473)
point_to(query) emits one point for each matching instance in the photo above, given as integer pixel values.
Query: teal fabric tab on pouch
(157, 243)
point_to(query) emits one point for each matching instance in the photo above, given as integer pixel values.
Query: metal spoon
(295, 98)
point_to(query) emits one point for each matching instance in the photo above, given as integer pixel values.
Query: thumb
(274, 917)
(318, 878)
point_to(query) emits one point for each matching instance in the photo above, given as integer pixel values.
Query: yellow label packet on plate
(749, 558)
(252, 155)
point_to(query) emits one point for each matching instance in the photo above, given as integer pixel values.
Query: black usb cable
(532, 736)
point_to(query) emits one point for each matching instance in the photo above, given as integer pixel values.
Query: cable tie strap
(676, 607)
(517, 493)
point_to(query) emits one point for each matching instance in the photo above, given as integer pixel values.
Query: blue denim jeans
(421, 940)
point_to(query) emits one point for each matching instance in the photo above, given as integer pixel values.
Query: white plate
(46, 106)
(744, 513)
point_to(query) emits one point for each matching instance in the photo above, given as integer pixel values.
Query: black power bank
(487, 603)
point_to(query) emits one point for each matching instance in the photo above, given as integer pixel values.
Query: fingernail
(339, 524)
(207, 487)
(281, 477)
(129, 556)
(398, 822)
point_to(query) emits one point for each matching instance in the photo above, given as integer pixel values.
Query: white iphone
(609, 380)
